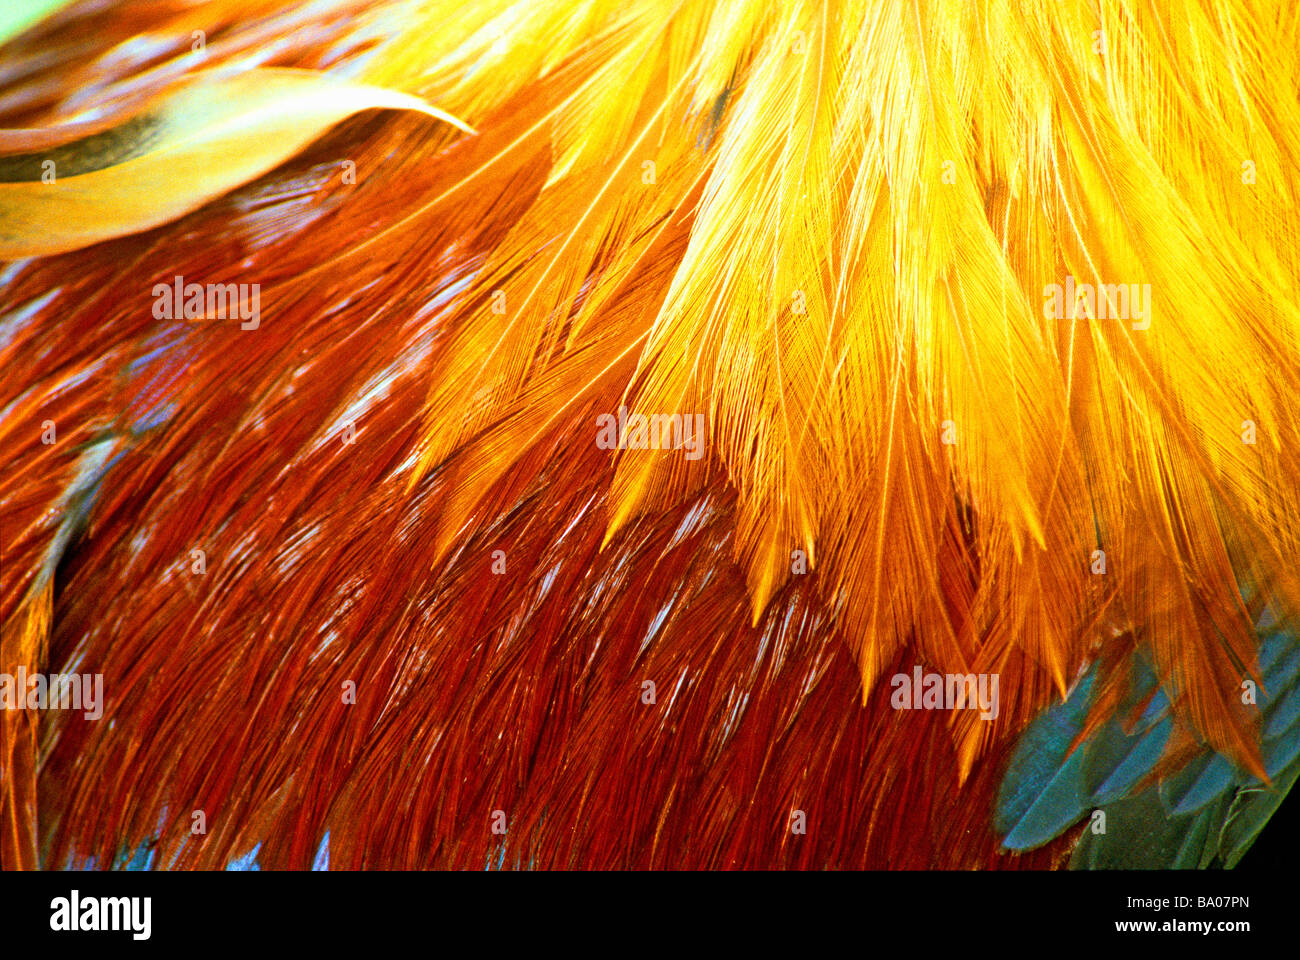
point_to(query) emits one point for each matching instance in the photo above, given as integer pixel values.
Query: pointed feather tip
(617, 520)
(1058, 676)
(968, 751)
(419, 106)
(1252, 760)
(770, 575)
(418, 472)
(869, 673)
(760, 596)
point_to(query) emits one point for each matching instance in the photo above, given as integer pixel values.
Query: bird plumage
(832, 229)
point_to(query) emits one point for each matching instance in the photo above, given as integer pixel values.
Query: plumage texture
(827, 227)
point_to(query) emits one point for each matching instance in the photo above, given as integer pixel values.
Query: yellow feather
(888, 190)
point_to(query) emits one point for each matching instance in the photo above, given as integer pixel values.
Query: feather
(203, 138)
(878, 248)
